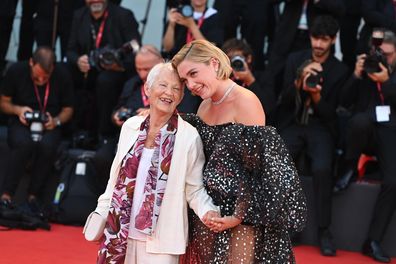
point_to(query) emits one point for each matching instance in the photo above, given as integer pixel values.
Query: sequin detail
(249, 174)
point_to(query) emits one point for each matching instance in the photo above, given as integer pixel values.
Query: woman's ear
(146, 89)
(215, 64)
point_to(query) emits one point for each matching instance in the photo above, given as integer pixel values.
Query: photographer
(307, 115)
(244, 73)
(186, 24)
(372, 129)
(101, 26)
(292, 32)
(38, 86)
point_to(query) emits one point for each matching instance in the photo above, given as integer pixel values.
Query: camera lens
(36, 131)
(313, 80)
(186, 10)
(238, 63)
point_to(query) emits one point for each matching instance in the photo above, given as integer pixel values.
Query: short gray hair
(389, 37)
(156, 70)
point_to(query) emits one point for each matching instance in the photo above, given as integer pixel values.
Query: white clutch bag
(94, 227)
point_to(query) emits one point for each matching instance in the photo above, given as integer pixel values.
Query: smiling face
(165, 92)
(200, 78)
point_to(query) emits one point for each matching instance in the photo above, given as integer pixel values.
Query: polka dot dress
(249, 174)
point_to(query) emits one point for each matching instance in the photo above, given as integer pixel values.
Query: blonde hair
(201, 51)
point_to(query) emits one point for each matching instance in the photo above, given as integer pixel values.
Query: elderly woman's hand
(220, 224)
(207, 219)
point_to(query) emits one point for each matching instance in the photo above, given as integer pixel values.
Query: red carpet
(66, 244)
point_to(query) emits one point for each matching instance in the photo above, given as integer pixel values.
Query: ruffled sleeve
(271, 193)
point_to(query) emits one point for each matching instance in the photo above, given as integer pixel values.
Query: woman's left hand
(220, 224)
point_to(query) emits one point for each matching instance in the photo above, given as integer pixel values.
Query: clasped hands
(216, 223)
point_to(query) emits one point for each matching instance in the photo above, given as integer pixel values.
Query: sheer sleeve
(191, 118)
(270, 194)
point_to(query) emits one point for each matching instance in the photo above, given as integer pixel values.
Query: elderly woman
(156, 171)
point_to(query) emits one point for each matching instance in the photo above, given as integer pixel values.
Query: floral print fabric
(114, 244)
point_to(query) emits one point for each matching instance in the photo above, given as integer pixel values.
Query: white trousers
(136, 254)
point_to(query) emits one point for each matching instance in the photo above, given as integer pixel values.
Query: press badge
(80, 168)
(382, 112)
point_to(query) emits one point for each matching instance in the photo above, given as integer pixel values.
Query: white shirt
(144, 165)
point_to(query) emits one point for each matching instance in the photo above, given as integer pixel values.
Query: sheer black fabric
(249, 174)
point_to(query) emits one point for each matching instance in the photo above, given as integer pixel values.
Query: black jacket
(120, 27)
(334, 75)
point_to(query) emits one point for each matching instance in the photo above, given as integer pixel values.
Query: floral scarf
(113, 247)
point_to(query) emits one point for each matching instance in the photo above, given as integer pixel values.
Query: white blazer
(184, 185)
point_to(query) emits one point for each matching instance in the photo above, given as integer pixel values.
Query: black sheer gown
(249, 174)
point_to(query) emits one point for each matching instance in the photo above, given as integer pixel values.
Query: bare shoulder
(249, 110)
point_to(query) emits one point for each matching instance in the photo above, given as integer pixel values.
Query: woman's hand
(207, 219)
(220, 224)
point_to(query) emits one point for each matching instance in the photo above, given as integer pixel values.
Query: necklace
(227, 92)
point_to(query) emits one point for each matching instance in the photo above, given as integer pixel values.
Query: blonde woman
(248, 173)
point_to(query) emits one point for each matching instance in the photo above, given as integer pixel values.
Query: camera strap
(190, 37)
(381, 95)
(97, 38)
(47, 91)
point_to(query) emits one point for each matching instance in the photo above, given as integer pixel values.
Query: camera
(109, 56)
(238, 63)
(125, 113)
(182, 6)
(376, 56)
(185, 10)
(314, 79)
(36, 119)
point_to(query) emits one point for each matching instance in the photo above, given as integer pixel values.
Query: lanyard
(381, 95)
(189, 34)
(47, 90)
(144, 96)
(98, 38)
